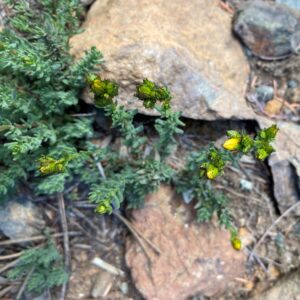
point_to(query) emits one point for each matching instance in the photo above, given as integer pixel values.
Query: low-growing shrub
(46, 144)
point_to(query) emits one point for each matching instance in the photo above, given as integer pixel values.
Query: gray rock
(264, 93)
(124, 288)
(20, 220)
(294, 4)
(30, 296)
(269, 30)
(246, 185)
(286, 191)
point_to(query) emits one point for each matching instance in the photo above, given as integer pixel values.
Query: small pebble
(102, 285)
(292, 84)
(246, 185)
(264, 93)
(124, 288)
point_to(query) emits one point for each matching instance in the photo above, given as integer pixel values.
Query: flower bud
(212, 172)
(49, 165)
(104, 207)
(261, 154)
(236, 243)
(232, 144)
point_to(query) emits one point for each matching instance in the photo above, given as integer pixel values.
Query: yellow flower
(212, 172)
(232, 144)
(236, 243)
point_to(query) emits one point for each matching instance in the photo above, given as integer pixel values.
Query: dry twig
(23, 286)
(5, 291)
(10, 256)
(226, 7)
(9, 265)
(64, 225)
(37, 238)
(136, 232)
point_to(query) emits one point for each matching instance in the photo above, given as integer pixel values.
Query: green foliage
(262, 142)
(123, 120)
(108, 195)
(167, 126)
(39, 84)
(192, 186)
(43, 266)
(145, 179)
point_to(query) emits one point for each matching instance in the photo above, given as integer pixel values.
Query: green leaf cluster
(261, 144)
(191, 186)
(167, 126)
(108, 195)
(43, 266)
(146, 179)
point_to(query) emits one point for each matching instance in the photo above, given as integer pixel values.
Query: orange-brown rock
(194, 257)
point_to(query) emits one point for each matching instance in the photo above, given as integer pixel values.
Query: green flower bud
(233, 134)
(28, 60)
(49, 165)
(268, 134)
(104, 90)
(246, 144)
(212, 171)
(150, 94)
(104, 207)
(261, 154)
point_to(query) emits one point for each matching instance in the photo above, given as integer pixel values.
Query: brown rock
(194, 258)
(182, 45)
(176, 43)
(245, 236)
(273, 107)
(287, 288)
